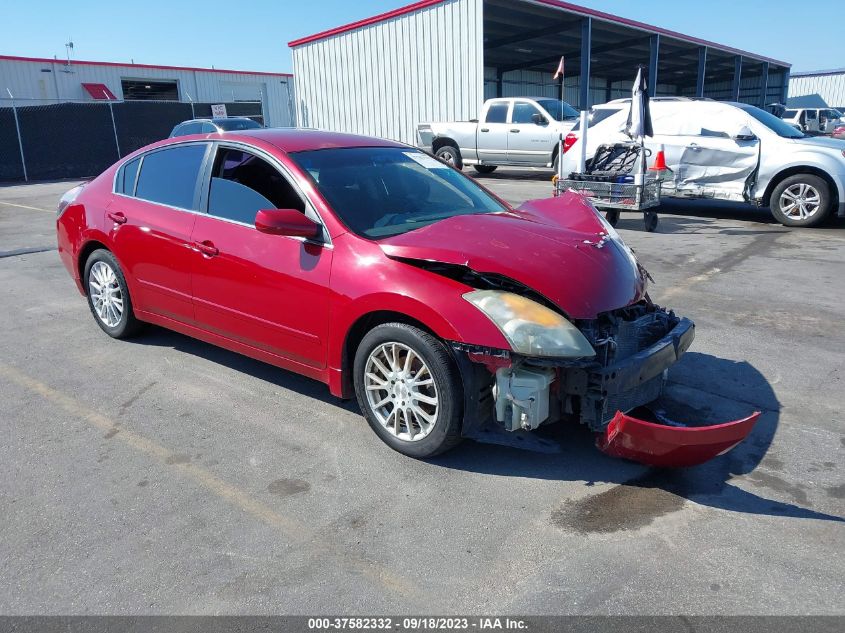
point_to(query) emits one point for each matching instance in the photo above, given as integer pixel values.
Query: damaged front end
(612, 393)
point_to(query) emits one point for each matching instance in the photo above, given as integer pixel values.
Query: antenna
(69, 50)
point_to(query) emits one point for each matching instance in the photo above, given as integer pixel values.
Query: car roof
(303, 139)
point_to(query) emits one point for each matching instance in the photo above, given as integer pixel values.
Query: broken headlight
(530, 328)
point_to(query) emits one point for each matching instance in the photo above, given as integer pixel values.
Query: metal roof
(558, 4)
(52, 60)
(816, 73)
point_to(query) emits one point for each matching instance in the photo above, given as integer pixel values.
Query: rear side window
(169, 176)
(193, 127)
(243, 184)
(497, 113)
(126, 178)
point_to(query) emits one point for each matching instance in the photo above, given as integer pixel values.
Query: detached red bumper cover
(671, 446)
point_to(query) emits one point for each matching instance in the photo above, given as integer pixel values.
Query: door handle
(117, 217)
(515, 131)
(694, 146)
(484, 129)
(207, 248)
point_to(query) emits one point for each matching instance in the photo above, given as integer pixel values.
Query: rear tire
(801, 200)
(108, 295)
(415, 406)
(485, 169)
(450, 155)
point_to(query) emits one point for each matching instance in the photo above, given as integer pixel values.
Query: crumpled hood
(556, 246)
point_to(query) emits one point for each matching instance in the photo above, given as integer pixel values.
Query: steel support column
(785, 87)
(586, 51)
(653, 60)
(737, 78)
(764, 87)
(499, 82)
(702, 72)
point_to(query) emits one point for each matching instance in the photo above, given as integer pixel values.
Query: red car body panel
(295, 303)
(532, 246)
(670, 446)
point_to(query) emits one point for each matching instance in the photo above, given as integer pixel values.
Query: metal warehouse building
(37, 81)
(439, 60)
(818, 88)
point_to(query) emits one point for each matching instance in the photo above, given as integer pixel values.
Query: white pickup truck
(520, 131)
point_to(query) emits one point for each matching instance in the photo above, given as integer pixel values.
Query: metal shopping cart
(615, 180)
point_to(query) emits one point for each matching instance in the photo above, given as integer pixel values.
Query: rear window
(597, 116)
(169, 176)
(790, 114)
(231, 125)
(497, 113)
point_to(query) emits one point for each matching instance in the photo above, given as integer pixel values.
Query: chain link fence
(50, 141)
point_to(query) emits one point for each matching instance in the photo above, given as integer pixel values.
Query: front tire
(450, 155)
(485, 169)
(108, 295)
(408, 388)
(801, 200)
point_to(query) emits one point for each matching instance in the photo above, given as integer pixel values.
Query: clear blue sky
(207, 33)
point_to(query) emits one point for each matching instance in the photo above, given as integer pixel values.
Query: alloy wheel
(401, 391)
(106, 295)
(800, 201)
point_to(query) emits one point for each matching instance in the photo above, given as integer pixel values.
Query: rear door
(153, 214)
(492, 137)
(528, 142)
(266, 291)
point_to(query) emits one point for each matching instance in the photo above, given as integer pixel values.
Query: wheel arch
(441, 142)
(802, 169)
(356, 333)
(82, 258)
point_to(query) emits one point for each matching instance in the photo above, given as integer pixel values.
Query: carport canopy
(524, 40)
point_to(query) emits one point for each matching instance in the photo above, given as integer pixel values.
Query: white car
(731, 151)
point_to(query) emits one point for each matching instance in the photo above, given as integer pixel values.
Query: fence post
(114, 128)
(20, 138)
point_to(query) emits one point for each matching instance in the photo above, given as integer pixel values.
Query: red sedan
(370, 266)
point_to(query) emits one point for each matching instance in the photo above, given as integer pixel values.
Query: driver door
(266, 291)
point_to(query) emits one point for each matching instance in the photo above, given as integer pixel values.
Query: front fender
(772, 173)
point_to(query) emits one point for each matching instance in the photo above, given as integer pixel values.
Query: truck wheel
(409, 390)
(485, 169)
(450, 155)
(801, 200)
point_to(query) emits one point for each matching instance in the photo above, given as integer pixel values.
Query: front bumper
(610, 399)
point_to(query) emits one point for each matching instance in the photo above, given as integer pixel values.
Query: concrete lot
(164, 475)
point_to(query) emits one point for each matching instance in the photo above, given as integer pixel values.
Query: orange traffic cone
(660, 160)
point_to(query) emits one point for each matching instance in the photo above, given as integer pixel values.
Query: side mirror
(539, 119)
(745, 134)
(286, 222)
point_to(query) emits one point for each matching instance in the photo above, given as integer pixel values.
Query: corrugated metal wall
(384, 79)
(34, 82)
(830, 87)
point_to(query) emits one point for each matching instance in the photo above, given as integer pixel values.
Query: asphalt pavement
(163, 475)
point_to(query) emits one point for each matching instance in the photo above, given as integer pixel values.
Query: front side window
(776, 125)
(497, 113)
(383, 191)
(169, 176)
(523, 112)
(243, 184)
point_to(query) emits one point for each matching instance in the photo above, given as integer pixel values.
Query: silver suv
(732, 151)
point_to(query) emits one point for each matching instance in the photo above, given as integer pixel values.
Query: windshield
(383, 191)
(560, 110)
(776, 125)
(232, 125)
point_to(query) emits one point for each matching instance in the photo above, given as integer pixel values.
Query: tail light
(569, 141)
(68, 198)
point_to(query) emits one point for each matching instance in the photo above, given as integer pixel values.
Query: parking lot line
(208, 480)
(23, 206)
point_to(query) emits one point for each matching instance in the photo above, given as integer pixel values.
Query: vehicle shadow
(717, 388)
(713, 390)
(725, 210)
